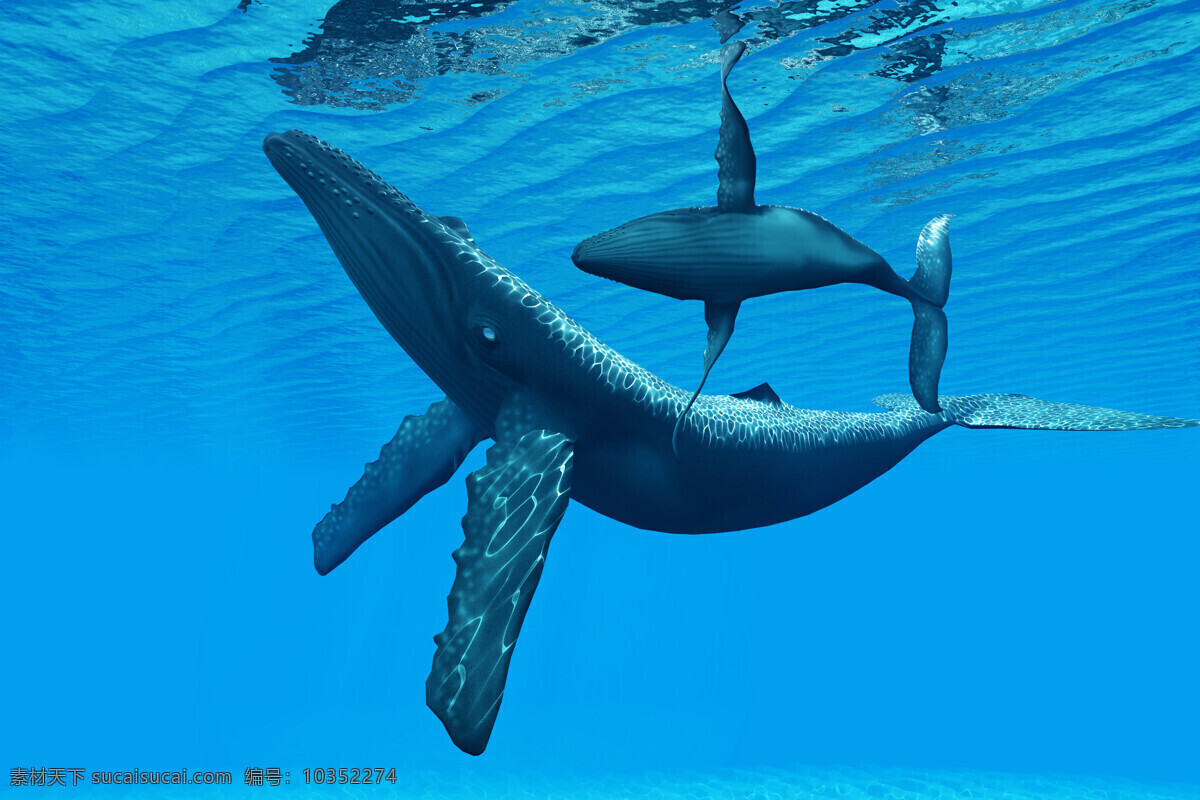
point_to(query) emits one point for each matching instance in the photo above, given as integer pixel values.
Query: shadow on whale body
(738, 249)
(571, 419)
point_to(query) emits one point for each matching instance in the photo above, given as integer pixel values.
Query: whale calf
(571, 420)
(738, 250)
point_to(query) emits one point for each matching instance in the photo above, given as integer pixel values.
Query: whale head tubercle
(416, 271)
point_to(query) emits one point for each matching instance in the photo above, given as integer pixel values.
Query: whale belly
(727, 486)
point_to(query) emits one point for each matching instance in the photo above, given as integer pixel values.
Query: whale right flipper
(1029, 413)
(515, 504)
(424, 453)
(736, 164)
(720, 318)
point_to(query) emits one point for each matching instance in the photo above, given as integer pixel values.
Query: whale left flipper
(515, 504)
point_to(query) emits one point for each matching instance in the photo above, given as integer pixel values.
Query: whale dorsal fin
(457, 225)
(763, 393)
(736, 164)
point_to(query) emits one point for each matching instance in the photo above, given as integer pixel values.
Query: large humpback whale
(572, 419)
(738, 250)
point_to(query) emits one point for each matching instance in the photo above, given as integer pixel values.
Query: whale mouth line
(386, 244)
(325, 176)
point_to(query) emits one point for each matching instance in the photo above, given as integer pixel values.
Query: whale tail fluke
(1029, 413)
(930, 334)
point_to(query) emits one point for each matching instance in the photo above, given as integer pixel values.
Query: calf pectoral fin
(720, 318)
(423, 454)
(736, 164)
(515, 503)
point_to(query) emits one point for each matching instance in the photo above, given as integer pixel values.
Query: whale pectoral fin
(736, 164)
(720, 318)
(424, 453)
(515, 503)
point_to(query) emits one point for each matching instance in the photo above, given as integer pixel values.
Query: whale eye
(485, 333)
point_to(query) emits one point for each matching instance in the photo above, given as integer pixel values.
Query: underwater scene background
(190, 380)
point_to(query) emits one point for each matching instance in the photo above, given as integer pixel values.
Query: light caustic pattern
(515, 504)
(1020, 411)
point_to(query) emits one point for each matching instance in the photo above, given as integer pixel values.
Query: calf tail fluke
(930, 334)
(932, 278)
(1030, 413)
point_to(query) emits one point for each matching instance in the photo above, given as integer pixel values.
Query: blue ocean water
(190, 380)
